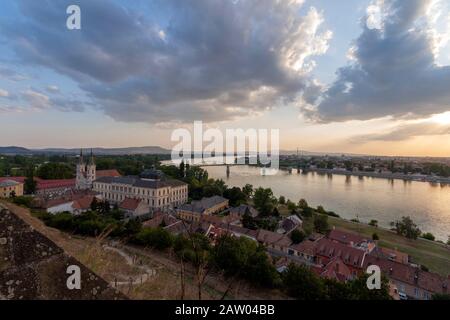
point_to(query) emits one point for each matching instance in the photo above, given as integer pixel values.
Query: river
(428, 204)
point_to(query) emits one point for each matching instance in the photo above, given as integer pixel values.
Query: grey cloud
(405, 132)
(208, 60)
(395, 73)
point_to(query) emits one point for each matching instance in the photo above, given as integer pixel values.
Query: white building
(158, 193)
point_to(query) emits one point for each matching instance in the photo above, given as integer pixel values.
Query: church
(151, 187)
(86, 173)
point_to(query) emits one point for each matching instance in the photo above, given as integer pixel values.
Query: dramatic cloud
(4, 93)
(177, 60)
(393, 69)
(405, 132)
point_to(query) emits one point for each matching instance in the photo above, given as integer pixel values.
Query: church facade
(86, 173)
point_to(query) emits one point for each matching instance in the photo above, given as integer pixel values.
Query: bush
(23, 201)
(375, 236)
(321, 223)
(373, 223)
(297, 236)
(428, 236)
(157, 238)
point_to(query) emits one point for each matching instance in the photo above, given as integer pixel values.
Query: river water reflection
(385, 200)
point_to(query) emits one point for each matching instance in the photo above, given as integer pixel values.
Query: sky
(354, 76)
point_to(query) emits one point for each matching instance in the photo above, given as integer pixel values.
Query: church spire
(81, 156)
(92, 158)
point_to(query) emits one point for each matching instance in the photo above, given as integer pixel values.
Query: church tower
(86, 173)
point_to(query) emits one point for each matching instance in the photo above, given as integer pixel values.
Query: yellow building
(206, 206)
(10, 187)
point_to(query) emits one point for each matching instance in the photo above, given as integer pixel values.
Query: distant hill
(14, 150)
(97, 151)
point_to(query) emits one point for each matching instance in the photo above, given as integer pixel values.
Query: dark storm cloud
(395, 72)
(176, 60)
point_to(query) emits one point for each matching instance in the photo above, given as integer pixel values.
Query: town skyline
(360, 77)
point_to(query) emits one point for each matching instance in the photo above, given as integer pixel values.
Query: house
(337, 270)
(75, 203)
(134, 207)
(409, 280)
(304, 250)
(160, 219)
(9, 188)
(243, 209)
(207, 206)
(325, 250)
(273, 240)
(351, 239)
(289, 224)
(391, 254)
(233, 230)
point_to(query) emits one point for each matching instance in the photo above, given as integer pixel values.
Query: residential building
(75, 203)
(134, 207)
(206, 206)
(10, 188)
(409, 280)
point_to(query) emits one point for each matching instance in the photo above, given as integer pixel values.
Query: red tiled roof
(429, 281)
(67, 198)
(330, 249)
(83, 203)
(270, 237)
(345, 237)
(159, 218)
(42, 184)
(129, 204)
(107, 173)
(53, 184)
(306, 247)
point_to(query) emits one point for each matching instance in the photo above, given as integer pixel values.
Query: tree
(55, 171)
(428, 236)
(182, 169)
(264, 201)
(157, 238)
(297, 236)
(30, 183)
(302, 204)
(235, 196)
(282, 200)
(375, 236)
(302, 284)
(440, 296)
(448, 241)
(358, 289)
(407, 228)
(373, 223)
(248, 222)
(248, 190)
(321, 223)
